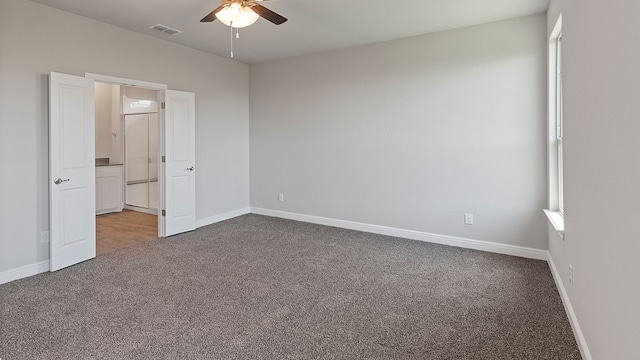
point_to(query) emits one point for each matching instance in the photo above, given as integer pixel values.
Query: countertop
(105, 162)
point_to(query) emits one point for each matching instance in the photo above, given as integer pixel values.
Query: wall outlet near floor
(468, 219)
(570, 274)
(44, 237)
(281, 197)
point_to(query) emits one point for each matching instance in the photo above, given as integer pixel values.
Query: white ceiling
(313, 26)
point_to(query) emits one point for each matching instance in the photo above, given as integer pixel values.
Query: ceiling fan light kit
(237, 16)
(242, 13)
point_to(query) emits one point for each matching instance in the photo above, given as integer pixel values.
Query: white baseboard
(573, 320)
(221, 217)
(411, 234)
(23, 272)
(43, 266)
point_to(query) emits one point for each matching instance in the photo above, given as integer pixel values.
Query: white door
(72, 218)
(180, 172)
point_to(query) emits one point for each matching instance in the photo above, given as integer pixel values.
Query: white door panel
(180, 174)
(71, 170)
(182, 189)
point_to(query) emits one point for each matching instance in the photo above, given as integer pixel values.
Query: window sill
(556, 220)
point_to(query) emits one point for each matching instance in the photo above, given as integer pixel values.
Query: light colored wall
(602, 172)
(411, 133)
(36, 39)
(103, 120)
(116, 125)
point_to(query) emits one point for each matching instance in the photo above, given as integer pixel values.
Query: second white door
(180, 171)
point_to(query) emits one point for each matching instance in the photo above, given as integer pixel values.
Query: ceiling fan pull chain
(237, 33)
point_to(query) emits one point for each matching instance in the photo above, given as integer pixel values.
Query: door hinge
(163, 158)
(164, 213)
(163, 105)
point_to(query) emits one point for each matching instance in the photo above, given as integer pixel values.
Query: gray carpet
(256, 287)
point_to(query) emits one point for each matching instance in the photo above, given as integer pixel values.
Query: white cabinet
(108, 189)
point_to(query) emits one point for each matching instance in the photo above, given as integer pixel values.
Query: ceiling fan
(241, 13)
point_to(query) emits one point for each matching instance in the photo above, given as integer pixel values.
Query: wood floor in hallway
(116, 231)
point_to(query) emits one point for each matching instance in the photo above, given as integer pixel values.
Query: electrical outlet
(44, 237)
(281, 197)
(468, 219)
(570, 274)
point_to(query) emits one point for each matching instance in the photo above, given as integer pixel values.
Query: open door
(179, 173)
(72, 210)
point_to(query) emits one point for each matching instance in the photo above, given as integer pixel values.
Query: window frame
(555, 137)
(559, 125)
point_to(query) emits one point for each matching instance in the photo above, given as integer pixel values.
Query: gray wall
(602, 172)
(410, 133)
(34, 40)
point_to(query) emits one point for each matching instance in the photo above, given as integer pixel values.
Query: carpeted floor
(256, 287)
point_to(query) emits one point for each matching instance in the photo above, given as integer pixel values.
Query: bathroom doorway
(71, 205)
(127, 171)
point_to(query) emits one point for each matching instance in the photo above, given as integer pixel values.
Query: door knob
(59, 181)
(190, 168)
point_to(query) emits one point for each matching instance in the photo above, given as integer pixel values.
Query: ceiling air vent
(165, 29)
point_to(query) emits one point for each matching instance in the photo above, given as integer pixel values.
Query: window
(559, 129)
(556, 131)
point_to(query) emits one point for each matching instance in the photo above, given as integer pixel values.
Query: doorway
(134, 97)
(72, 166)
(127, 137)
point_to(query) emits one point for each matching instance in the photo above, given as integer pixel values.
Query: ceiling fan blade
(212, 15)
(268, 14)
